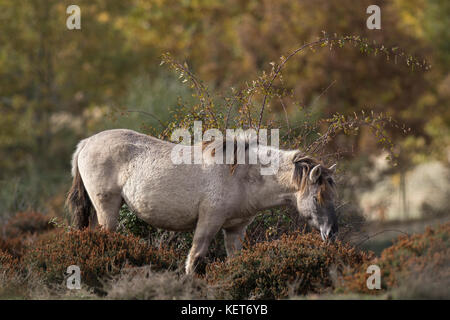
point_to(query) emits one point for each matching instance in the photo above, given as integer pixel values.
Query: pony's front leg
(207, 228)
(234, 238)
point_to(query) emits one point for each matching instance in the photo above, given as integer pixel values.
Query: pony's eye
(315, 199)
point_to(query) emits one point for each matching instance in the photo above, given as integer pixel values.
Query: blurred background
(58, 86)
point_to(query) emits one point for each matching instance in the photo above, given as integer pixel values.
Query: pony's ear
(332, 169)
(315, 173)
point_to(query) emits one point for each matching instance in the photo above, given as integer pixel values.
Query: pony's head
(315, 194)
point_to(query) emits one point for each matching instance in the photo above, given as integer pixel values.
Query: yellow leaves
(411, 14)
(103, 17)
(119, 22)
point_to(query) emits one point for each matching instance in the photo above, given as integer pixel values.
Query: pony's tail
(78, 202)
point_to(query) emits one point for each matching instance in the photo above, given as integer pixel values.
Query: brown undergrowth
(128, 267)
(423, 256)
(294, 264)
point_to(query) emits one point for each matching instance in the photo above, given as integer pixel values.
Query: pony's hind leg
(107, 205)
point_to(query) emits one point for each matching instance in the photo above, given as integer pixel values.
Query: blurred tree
(47, 70)
(229, 42)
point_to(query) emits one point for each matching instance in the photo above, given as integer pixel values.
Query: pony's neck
(274, 190)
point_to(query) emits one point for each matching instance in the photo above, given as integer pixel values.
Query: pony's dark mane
(209, 147)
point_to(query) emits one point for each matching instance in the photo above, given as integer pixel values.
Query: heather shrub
(21, 230)
(293, 264)
(27, 223)
(15, 246)
(98, 253)
(8, 265)
(426, 255)
(5, 260)
(129, 223)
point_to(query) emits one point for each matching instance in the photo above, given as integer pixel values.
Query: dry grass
(145, 284)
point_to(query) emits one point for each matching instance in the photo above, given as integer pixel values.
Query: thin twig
(325, 90)
(287, 119)
(201, 89)
(148, 114)
(378, 233)
(230, 106)
(280, 67)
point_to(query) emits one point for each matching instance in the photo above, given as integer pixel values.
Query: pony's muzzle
(329, 233)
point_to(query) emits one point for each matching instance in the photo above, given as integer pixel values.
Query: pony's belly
(173, 221)
(162, 205)
(163, 213)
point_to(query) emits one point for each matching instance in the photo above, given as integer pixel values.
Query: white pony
(122, 166)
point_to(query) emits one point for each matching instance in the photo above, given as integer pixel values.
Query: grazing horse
(122, 166)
